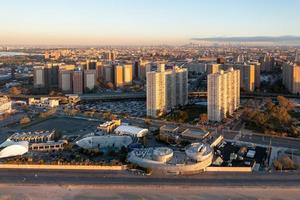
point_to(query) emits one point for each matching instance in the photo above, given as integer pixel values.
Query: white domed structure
(199, 152)
(14, 149)
(104, 141)
(162, 154)
(7, 143)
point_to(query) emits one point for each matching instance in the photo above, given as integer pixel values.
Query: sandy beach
(83, 192)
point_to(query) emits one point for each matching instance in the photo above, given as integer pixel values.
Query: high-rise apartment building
(267, 63)
(108, 73)
(100, 71)
(145, 67)
(247, 77)
(89, 77)
(223, 96)
(257, 67)
(119, 81)
(291, 77)
(181, 86)
(297, 57)
(166, 89)
(156, 92)
(78, 82)
(170, 83)
(39, 77)
(135, 70)
(127, 72)
(65, 81)
(213, 68)
(51, 75)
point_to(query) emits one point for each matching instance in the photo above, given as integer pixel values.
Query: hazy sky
(142, 21)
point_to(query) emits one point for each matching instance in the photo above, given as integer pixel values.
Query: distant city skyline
(142, 22)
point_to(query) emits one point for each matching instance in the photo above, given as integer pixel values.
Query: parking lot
(67, 126)
(132, 108)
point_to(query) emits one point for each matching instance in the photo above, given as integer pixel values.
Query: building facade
(223, 96)
(156, 92)
(119, 78)
(5, 105)
(90, 77)
(39, 77)
(181, 86)
(166, 89)
(213, 68)
(65, 81)
(78, 82)
(127, 70)
(247, 77)
(291, 77)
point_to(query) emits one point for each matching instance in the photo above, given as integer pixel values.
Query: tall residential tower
(223, 94)
(166, 89)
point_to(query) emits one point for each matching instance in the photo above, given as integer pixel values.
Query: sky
(142, 22)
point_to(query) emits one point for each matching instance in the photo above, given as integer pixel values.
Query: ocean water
(4, 53)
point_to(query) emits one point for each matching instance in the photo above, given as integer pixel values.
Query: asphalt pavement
(85, 177)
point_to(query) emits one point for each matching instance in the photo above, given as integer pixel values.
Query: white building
(14, 149)
(156, 92)
(199, 151)
(104, 141)
(132, 131)
(223, 94)
(164, 160)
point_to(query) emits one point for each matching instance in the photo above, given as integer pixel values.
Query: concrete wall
(62, 167)
(170, 168)
(228, 169)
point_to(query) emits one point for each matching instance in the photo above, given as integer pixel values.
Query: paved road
(267, 140)
(74, 177)
(263, 140)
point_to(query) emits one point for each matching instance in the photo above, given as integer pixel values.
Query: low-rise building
(5, 105)
(11, 149)
(173, 134)
(169, 129)
(48, 146)
(194, 134)
(133, 131)
(73, 98)
(196, 158)
(104, 142)
(33, 137)
(43, 101)
(109, 127)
